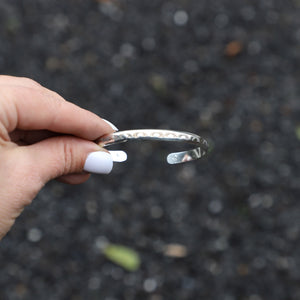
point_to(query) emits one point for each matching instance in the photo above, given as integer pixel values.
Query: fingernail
(111, 125)
(98, 162)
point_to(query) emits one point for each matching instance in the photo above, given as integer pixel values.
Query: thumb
(25, 170)
(63, 155)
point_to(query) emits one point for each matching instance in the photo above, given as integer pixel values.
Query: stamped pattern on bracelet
(160, 134)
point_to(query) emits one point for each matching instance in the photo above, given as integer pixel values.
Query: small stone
(191, 66)
(248, 13)
(215, 206)
(221, 20)
(94, 283)
(213, 267)
(127, 50)
(267, 201)
(243, 269)
(156, 212)
(233, 48)
(101, 243)
(255, 200)
(259, 263)
(118, 60)
(34, 235)
(180, 18)
(91, 207)
(235, 123)
(148, 44)
(53, 64)
(256, 125)
(150, 285)
(21, 290)
(158, 83)
(175, 250)
(110, 9)
(254, 47)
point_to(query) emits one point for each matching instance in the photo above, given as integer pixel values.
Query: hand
(43, 137)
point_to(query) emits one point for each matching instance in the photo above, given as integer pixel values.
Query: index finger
(29, 108)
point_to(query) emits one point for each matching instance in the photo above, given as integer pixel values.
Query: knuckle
(69, 154)
(29, 82)
(57, 97)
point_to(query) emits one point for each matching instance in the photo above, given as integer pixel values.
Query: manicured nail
(111, 125)
(98, 162)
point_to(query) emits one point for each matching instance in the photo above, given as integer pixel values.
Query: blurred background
(226, 227)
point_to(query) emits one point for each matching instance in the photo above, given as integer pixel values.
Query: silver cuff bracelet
(199, 150)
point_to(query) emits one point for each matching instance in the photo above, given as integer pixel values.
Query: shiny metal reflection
(200, 144)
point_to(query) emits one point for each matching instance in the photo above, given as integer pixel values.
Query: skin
(42, 137)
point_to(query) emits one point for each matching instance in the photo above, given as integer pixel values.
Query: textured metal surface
(162, 135)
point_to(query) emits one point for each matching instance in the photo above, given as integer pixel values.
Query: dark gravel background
(228, 70)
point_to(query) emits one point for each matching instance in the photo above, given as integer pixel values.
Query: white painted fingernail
(111, 125)
(99, 162)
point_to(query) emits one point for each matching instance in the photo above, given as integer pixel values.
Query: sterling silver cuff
(199, 150)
